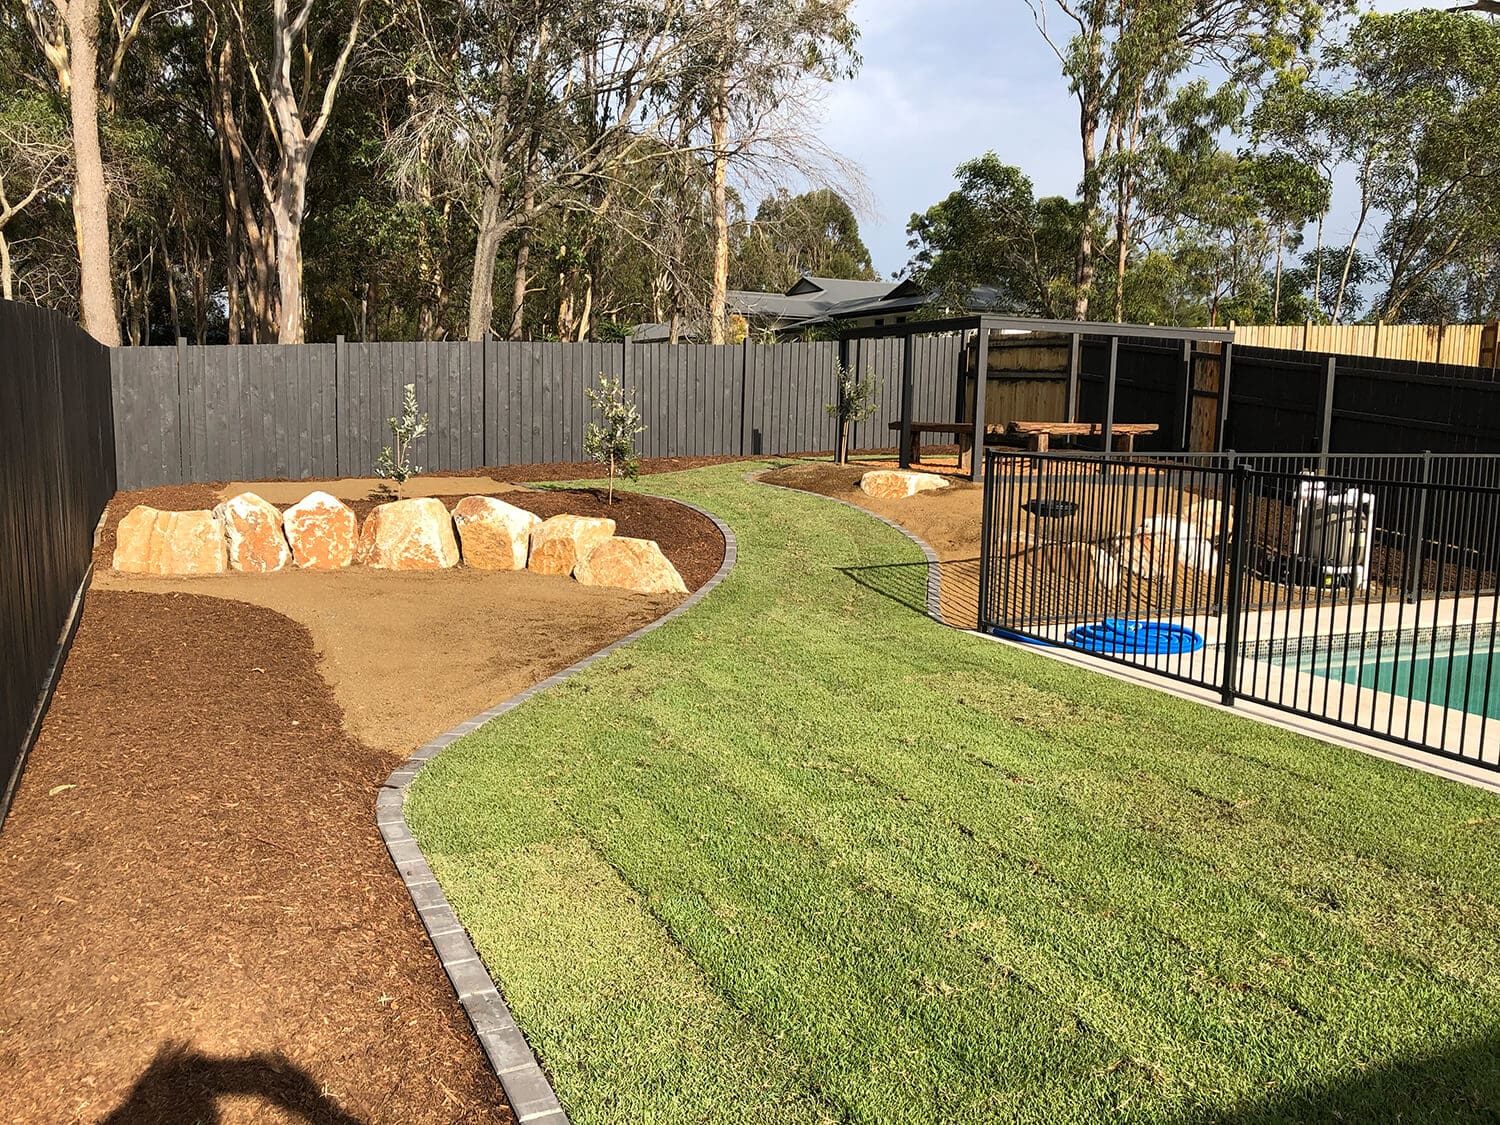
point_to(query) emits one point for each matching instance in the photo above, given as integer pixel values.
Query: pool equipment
(1331, 534)
(1115, 636)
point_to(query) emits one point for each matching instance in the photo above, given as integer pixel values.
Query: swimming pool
(1434, 672)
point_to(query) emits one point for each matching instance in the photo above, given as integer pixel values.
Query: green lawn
(805, 855)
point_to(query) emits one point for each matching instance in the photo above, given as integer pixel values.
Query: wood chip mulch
(198, 920)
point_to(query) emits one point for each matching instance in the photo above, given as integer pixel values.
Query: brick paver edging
(934, 568)
(526, 1087)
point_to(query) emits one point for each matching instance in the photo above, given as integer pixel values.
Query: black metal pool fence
(1359, 590)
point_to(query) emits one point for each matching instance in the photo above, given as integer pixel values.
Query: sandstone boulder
(409, 535)
(492, 534)
(558, 543)
(322, 532)
(149, 541)
(630, 564)
(252, 532)
(896, 484)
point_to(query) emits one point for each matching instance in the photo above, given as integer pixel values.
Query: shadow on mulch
(192, 860)
(184, 1087)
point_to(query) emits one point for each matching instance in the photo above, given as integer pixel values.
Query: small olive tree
(395, 464)
(854, 402)
(611, 440)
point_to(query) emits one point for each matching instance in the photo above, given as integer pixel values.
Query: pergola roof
(994, 322)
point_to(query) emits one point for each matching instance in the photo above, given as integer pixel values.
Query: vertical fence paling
(57, 472)
(1360, 590)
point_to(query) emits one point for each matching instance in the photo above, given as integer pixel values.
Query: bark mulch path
(198, 920)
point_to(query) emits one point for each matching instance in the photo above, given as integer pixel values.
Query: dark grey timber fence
(1302, 402)
(57, 472)
(320, 410)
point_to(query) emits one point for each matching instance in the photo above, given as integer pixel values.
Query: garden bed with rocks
(198, 918)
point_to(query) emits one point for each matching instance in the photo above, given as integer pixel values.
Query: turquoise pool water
(1460, 682)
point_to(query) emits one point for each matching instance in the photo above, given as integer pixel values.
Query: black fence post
(1414, 579)
(981, 379)
(1325, 432)
(986, 555)
(1238, 479)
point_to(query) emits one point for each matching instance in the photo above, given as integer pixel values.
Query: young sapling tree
(611, 440)
(854, 402)
(395, 464)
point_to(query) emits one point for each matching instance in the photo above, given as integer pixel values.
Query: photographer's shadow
(183, 1086)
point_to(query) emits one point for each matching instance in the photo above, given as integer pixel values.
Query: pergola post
(1075, 366)
(981, 377)
(907, 388)
(1185, 406)
(1225, 370)
(1109, 396)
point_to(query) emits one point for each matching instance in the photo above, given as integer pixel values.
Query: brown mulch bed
(198, 919)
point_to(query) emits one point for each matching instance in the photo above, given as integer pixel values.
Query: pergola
(983, 324)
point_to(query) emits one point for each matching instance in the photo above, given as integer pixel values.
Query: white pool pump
(1331, 534)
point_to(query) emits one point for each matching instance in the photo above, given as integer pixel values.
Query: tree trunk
(90, 193)
(286, 214)
(1083, 275)
(1318, 266)
(1338, 304)
(719, 127)
(482, 283)
(7, 285)
(1276, 300)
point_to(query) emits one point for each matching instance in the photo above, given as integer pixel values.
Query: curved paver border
(530, 1094)
(934, 566)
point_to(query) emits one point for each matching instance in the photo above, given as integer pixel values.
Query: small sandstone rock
(252, 531)
(558, 543)
(149, 541)
(895, 484)
(630, 564)
(492, 534)
(409, 535)
(322, 532)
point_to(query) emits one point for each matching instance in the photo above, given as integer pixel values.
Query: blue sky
(942, 81)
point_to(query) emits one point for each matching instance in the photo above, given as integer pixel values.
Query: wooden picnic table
(1036, 436)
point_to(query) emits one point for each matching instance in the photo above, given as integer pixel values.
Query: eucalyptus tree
(1124, 62)
(992, 230)
(295, 65)
(533, 107)
(69, 36)
(748, 95)
(35, 165)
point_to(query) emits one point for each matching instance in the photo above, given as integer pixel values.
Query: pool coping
(526, 1085)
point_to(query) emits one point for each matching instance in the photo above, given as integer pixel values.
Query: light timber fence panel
(1457, 344)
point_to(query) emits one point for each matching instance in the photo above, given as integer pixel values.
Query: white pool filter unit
(1331, 534)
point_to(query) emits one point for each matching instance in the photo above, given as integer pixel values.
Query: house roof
(818, 300)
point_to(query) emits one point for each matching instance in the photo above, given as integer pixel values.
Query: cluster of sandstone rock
(319, 532)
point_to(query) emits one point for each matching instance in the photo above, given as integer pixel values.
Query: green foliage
(395, 464)
(611, 440)
(992, 231)
(855, 399)
(815, 233)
